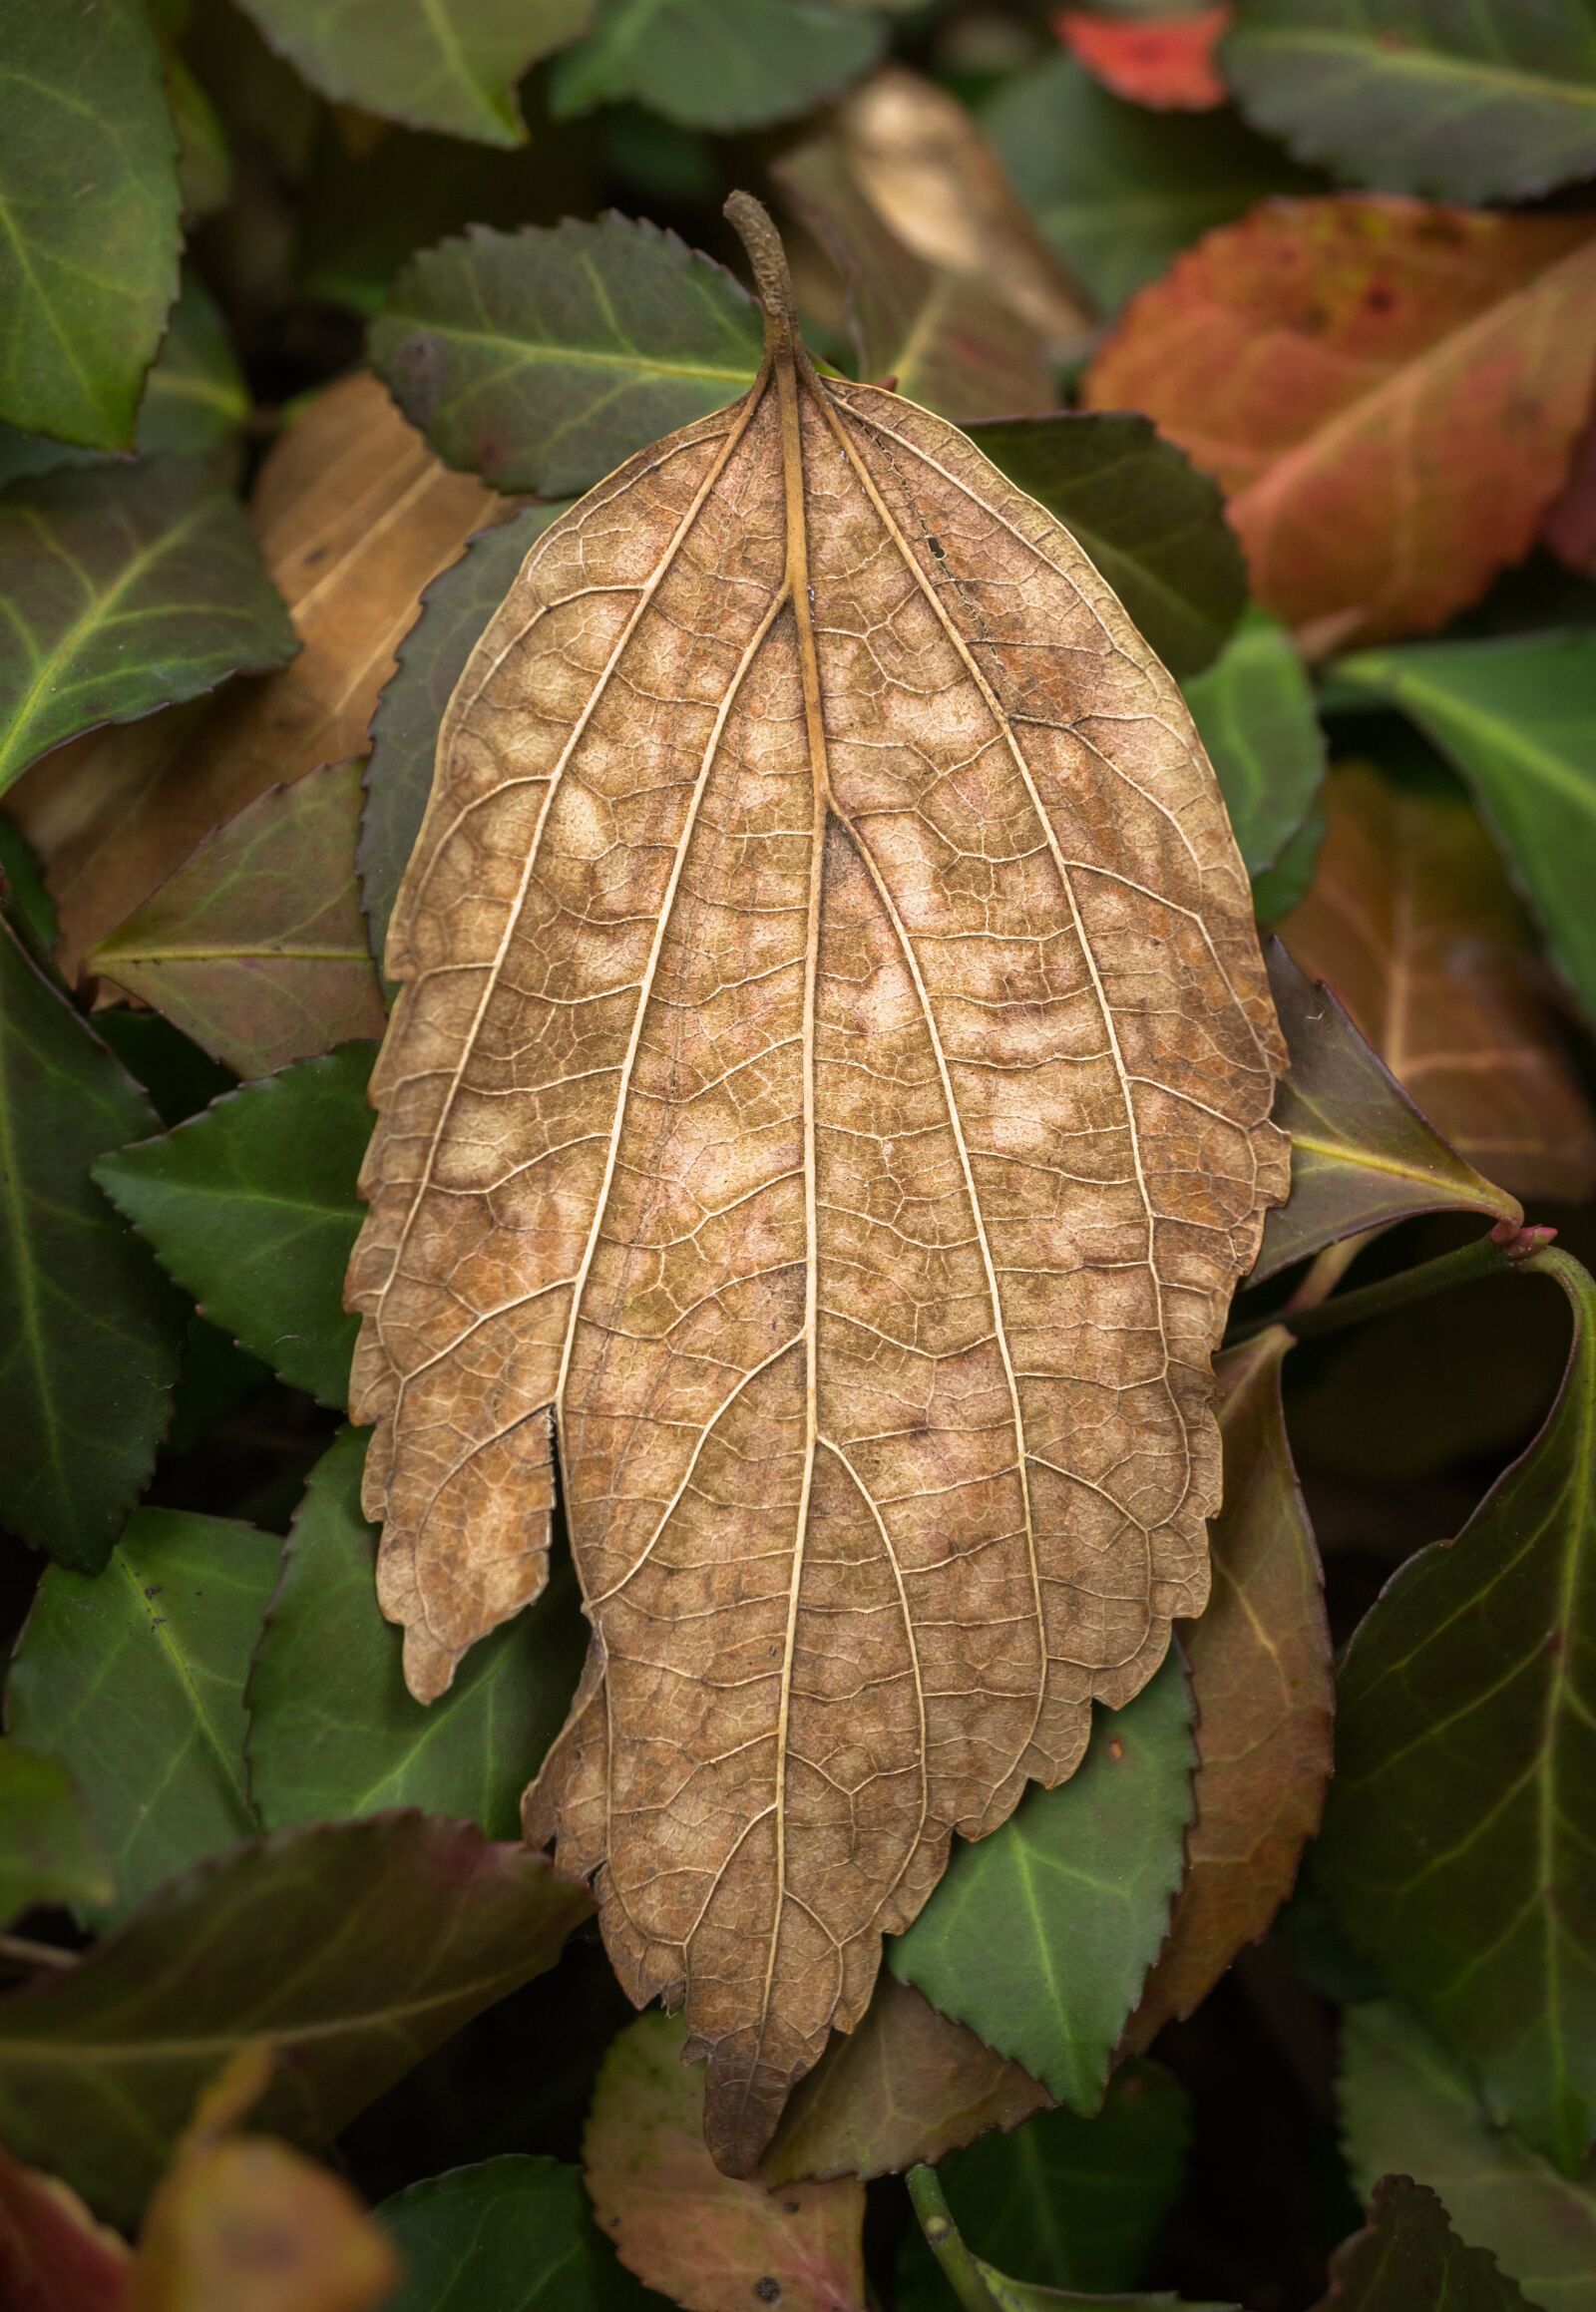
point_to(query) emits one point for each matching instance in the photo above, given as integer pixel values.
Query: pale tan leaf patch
(830, 1099)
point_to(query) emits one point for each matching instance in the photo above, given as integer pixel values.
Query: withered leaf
(831, 1091)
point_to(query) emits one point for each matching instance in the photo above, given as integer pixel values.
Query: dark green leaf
(541, 359)
(127, 588)
(1409, 2259)
(974, 2283)
(1071, 2202)
(1280, 888)
(88, 1347)
(1491, 102)
(48, 1854)
(718, 64)
(1039, 1937)
(180, 1079)
(333, 1729)
(1152, 524)
(513, 2235)
(216, 1377)
(1518, 719)
(134, 1677)
(205, 165)
(255, 948)
(1254, 711)
(1119, 190)
(354, 1947)
(1404, 2106)
(193, 397)
(1456, 1848)
(24, 889)
(89, 196)
(452, 67)
(252, 1208)
(455, 610)
(1362, 1155)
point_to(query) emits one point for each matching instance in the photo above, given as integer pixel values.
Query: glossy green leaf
(1119, 190)
(354, 1947)
(1405, 2104)
(1254, 711)
(1456, 1849)
(454, 614)
(438, 64)
(333, 1728)
(193, 397)
(1362, 1155)
(1039, 1937)
(89, 199)
(1491, 102)
(539, 359)
(48, 1852)
(1518, 719)
(124, 589)
(718, 64)
(1409, 2259)
(134, 1677)
(1155, 526)
(89, 1346)
(1278, 888)
(514, 2235)
(256, 947)
(252, 1208)
(1063, 2201)
(970, 2281)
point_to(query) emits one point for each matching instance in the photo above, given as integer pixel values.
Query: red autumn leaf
(1570, 530)
(1166, 61)
(1387, 392)
(54, 2256)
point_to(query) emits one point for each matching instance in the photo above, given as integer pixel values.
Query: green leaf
(89, 209)
(1254, 711)
(1040, 1936)
(205, 165)
(1119, 190)
(437, 64)
(1492, 102)
(23, 889)
(333, 1729)
(1456, 1850)
(88, 1347)
(193, 398)
(354, 1947)
(541, 359)
(1362, 1155)
(454, 614)
(134, 1677)
(124, 589)
(256, 947)
(1404, 2106)
(1069, 2202)
(514, 2235)
(718, 64)
(48, 1852)
(1285, 885)
(253, 1208)
(1409, 2259)
(980, 2287)
(1152, 524)
(180, 1079)
(1518, 720)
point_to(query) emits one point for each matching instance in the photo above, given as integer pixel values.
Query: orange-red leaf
(1166, 61)
(1410, 920)
(54, 2256)
(709, 2241)
(1387, 392)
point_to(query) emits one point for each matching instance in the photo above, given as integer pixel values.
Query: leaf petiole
(960, 2267)
(1504, 1249)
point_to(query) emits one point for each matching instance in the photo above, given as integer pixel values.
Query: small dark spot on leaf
(1380, 296)
(768, 2290)
(791, 2206)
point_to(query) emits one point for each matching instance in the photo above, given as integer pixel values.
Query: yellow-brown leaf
(831, 1089)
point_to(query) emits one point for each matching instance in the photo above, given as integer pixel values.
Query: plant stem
(1489, 1256)
(960, 2268)
(22, 1951)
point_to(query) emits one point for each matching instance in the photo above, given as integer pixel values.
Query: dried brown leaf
(832, 1088)
(354, 514)
(1412, 921)
(926, 169)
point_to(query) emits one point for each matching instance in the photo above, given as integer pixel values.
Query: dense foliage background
(1287, 309)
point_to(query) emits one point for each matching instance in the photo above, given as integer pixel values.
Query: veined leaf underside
(829, 1096)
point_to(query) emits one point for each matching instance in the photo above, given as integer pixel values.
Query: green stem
(1489, 1255)
(945, 2242)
